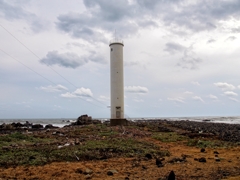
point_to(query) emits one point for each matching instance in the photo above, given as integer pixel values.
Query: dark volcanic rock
(159, 163)
(50, 126)
(148, 156)
(85, 120)
(215, 152)
(17, 125)
(202, 150)
(202, 159)
(226, 132)
(171, 176)
(37, 126)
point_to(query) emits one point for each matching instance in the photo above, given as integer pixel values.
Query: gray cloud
(174, 47)
(15, 11)
(231, 38)
(71, 60)
(110, 10)
(105, 16)
(236, 30)
(211, 41)
(202, 15)
(189, 61)
(128, 18)
(68, 60)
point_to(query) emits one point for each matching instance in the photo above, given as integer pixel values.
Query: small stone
(149, 156)
(88, 171)
(110, 173)
(171, 176)
(31, 158)
(202, 150)
(202, 159)
(159, 163)
(215, 152)
(78, 170)
(126, 178)
(88, 176)
(217, 159)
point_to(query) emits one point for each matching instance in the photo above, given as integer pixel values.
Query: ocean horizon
(60, 122)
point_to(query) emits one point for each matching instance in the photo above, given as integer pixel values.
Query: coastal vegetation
(141, 147)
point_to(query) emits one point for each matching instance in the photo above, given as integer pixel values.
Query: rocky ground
(142, 150)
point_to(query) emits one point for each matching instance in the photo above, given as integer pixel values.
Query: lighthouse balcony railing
(116, 41)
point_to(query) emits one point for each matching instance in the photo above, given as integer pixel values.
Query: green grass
(168, 136)
(89, 150)
(18, 138)
(209, 143)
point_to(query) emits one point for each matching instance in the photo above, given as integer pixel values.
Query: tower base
(116, 122)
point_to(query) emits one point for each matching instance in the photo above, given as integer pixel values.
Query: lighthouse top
(116, 41)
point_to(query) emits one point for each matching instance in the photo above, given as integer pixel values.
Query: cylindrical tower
(117, 83)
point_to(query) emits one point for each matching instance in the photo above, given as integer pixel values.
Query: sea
(61, 122)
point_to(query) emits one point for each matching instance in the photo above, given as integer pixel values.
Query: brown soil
(131, 168)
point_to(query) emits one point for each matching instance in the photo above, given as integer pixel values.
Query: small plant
(208, 143)
(201, 143)
(168, 137)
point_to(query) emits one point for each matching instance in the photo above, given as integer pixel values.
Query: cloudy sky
(181, 57)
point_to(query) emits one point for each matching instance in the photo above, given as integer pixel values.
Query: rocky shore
(226, 132)
(145, 149)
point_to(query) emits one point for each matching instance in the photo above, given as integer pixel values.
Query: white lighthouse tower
(117, 84)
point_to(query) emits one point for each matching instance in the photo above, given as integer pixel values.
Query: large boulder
(85, 120)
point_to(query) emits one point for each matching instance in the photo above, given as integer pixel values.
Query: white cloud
(177, 100)
(213, 97)
(68, 95)
(234, 99)
(188, 92)
(83, 92)
(80, 92)
(225, 86)
(230, 93)
(195, 83)
(104, 98)
(197, 98)
(51, 88)
(138, 100)
(136, 89)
